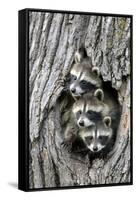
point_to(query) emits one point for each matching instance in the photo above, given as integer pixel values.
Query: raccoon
(70, 134)
(91, 108)
(84, 77)
(99, 137)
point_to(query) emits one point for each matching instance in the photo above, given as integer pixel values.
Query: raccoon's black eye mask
(94, 116)
(85, 85)
(103, 139)
(88, 139)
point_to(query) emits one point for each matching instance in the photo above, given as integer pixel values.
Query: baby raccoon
(84, 76)
(91, 108)
(99, 137)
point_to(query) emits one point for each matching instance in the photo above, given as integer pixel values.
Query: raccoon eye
(88, 139)
(83, 82)
(91, 137)
(79, 112)
(100, 137)
(89, 112)
(103, 138)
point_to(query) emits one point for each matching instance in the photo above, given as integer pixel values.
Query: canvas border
(23, 122)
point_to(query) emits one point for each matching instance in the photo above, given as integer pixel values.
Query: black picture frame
(23, 132)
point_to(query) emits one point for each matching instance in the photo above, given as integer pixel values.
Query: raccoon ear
(96, 71)
(99, 94)
(77, 57)
(107, 121)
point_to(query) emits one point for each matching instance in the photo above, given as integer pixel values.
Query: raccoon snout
(73, 90)
(95, 149)
(81, 123)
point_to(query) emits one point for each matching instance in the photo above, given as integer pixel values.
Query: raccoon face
(86, 117)
(89, 109)
(84, 77)
(97, 137)
(83, 80)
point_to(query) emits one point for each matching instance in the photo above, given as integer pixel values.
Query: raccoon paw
(67, 145)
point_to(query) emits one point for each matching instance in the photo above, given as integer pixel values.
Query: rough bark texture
(53, 40)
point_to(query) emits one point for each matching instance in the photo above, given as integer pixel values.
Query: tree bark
(53, 40)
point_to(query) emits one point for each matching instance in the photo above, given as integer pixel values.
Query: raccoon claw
(66, 145)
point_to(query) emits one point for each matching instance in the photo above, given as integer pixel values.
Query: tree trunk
(53, 40)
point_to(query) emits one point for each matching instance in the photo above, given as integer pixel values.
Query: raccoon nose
(95, 149)
(73, 90)
(81, 123)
